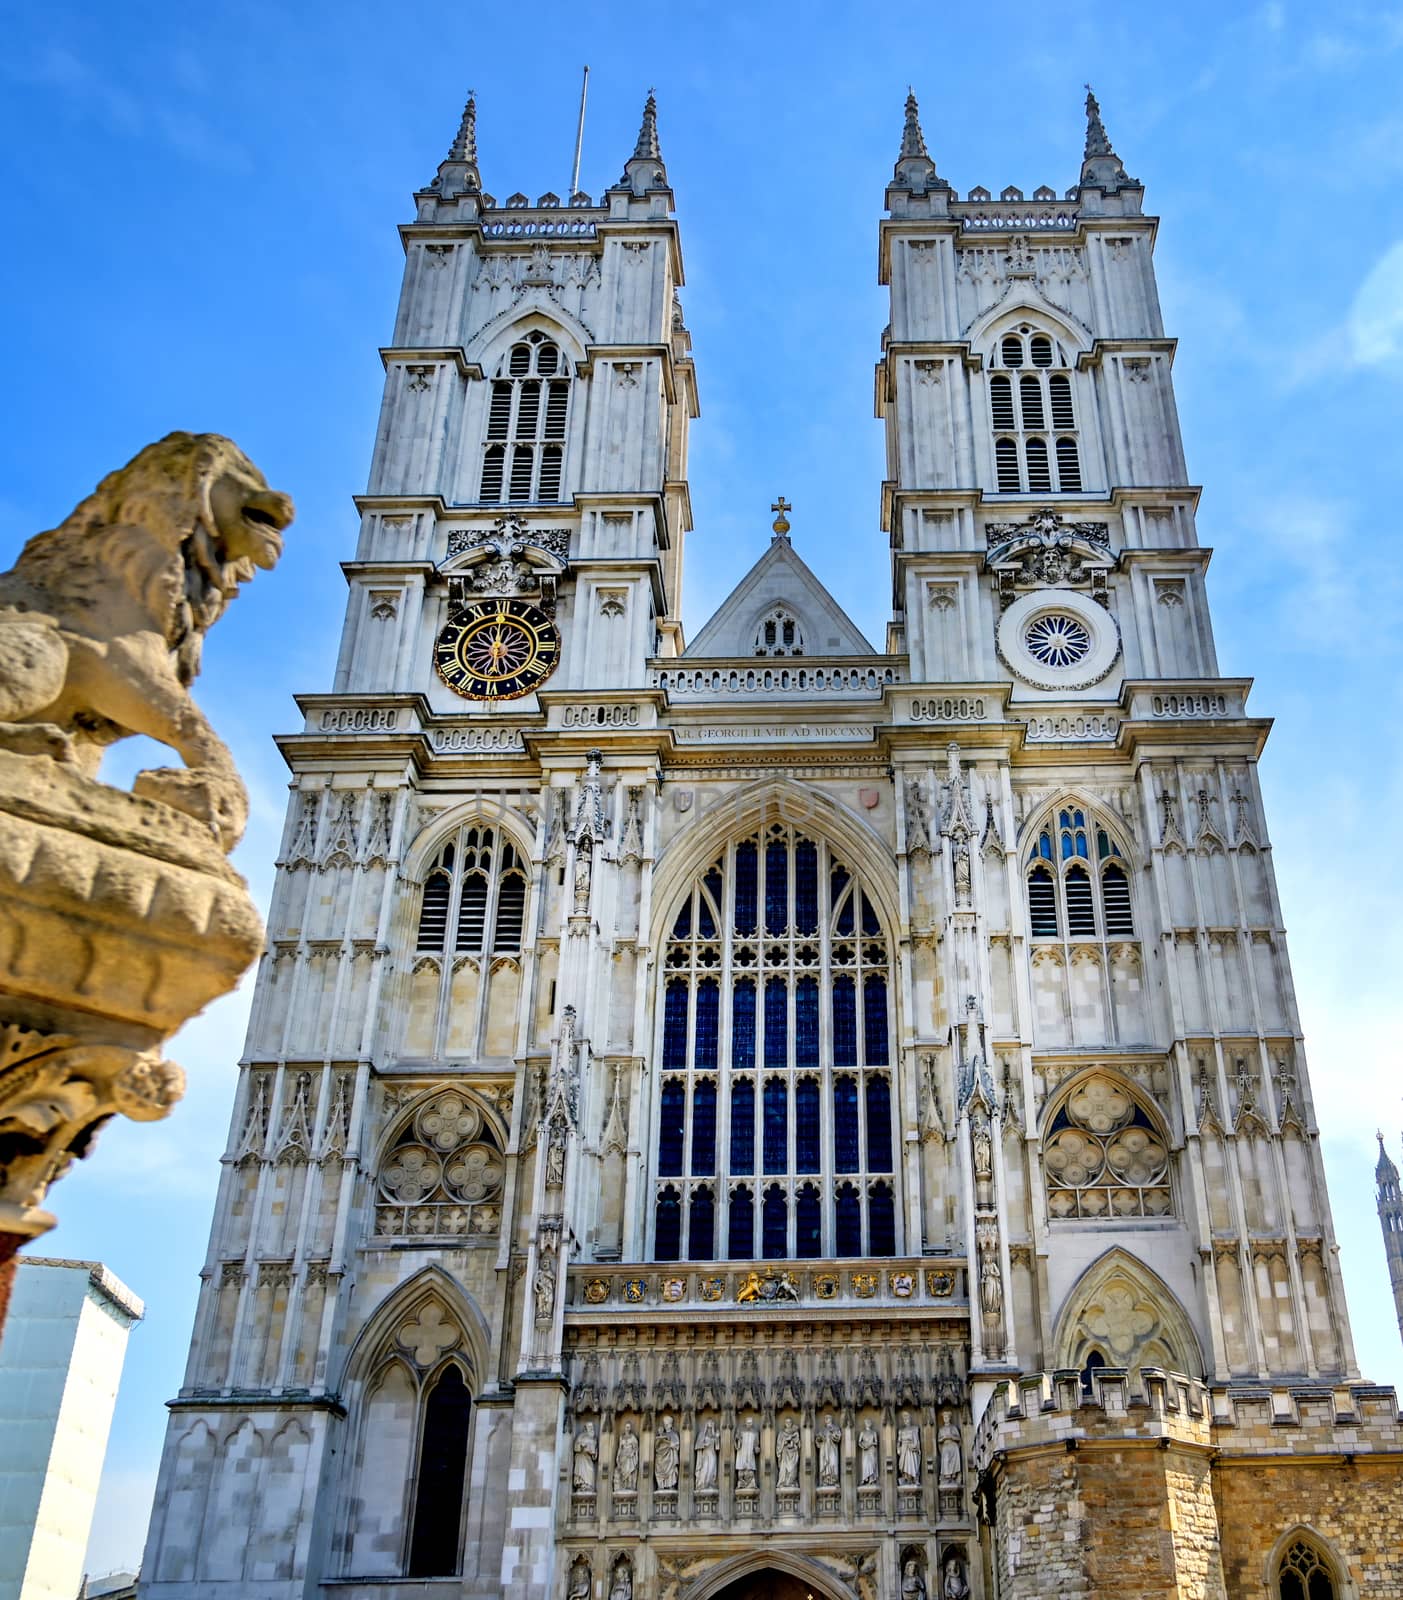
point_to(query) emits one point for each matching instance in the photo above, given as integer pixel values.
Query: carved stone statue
(787, 1454)
(913, 1585)
(621, 1584)
(908, 1451)
(666, 1451)
(584, 870)
(579, 1580)
(747, 1454)
(954, 1587)
(586, 1459)
(830, 1449)
(555, 1155)
(991, 1286)
(950, 1472)
(983, 1152)
(704, 1457)
(545, 1290)
(867, 1443)
(102, 620)
(626, 1460)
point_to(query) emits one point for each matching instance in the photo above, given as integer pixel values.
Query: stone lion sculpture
(102, 619)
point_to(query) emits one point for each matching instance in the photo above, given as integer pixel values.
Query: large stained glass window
(776, 1135)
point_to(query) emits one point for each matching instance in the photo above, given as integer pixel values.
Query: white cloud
(1375, 321)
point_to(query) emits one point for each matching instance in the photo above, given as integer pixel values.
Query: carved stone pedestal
(119, 919)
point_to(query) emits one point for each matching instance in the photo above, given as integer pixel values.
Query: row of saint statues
(788, 1449)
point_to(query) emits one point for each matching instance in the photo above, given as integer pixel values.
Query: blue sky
(203, 204)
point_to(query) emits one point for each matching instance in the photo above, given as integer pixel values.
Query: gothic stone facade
(773, 1115)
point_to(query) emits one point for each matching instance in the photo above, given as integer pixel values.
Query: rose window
(1104, 1157)
(1057, 639)
(442, 1169)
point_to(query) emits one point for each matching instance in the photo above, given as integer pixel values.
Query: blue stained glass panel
(849, 1220)
(706, 923)
(806, 1126)
(775, 1224)
(682, 928)
(776, 1023)
(704, 1130)
(871, 923)
(806, 886)
(878, 1125)
(672, 1110)
(844, 1022)
(701, 1226)
(881, 1218)
(743, 1025)
(675, 1025)
(808, 1222)
(742, 1127)
(667, 1229)
(706, 1043)
(747, 881)
(806, 1023)
(740, 1235)
(846, 1151)
(874, 1020)
(776, 886)
(776, 1148)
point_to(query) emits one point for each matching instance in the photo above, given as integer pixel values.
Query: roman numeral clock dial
(497, 650)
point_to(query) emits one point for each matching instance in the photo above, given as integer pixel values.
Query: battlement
(1043, 1408)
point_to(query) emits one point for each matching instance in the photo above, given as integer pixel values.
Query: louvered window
(1070, 896)
(433, 914)
(1023, 408)
(776, 1053)
(527, 416)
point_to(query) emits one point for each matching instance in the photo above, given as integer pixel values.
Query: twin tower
(776, 1114)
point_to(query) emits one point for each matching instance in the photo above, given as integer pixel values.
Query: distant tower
(1391, 1221)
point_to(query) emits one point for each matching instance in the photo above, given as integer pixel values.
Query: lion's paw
(213, 798)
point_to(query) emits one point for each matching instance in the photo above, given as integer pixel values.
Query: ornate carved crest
(1046, 552)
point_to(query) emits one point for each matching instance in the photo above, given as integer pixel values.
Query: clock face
(497, 650)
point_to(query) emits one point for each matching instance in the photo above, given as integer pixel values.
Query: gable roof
(779, 578)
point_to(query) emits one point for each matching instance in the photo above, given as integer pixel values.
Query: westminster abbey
(773, 1114)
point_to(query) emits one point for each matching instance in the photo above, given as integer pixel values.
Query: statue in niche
(545, 1290)
(950, 1472)
(747, 1454)
(908, 1452)
(704, 1457)
(667, 1449)
(584, 870)
(621, 1585)
(586, 1459)
(626, 1460)
(830, 1447)
(991, 1286)
(579, 1580)
(962, 879)
(787, 1447)
(954, 1587)
(983, 1152)
(913, 1585)
(867, 1443)
(917, 819)
(555, 1155)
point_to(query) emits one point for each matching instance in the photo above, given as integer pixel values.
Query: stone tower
(1391, 1221)
(766, 1115)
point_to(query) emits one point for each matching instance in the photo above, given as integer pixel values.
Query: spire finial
(781, 522)
(458, 171)
(1097, 144)
(913, 141)
(647, 147)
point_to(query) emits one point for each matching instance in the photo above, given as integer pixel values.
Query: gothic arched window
(1036, 447)
(528, 408)
(1303, 1573)
(442, 1176)
(1078, 888)
(409, 1470)
(468, 941)
(776, 1132)
(1104, 1156)
(779, 634)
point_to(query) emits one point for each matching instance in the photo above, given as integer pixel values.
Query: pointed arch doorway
(768, 1584)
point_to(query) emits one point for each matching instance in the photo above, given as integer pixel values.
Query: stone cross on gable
(781, 522)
